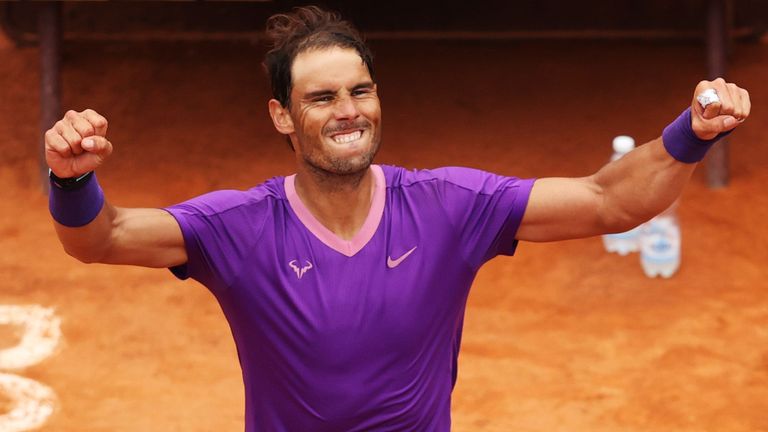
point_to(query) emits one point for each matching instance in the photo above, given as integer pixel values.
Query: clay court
(560, 337)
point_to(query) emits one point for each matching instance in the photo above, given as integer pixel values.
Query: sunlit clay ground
(561, 337)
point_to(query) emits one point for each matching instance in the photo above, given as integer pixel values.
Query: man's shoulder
(454, 175)
(225, 200)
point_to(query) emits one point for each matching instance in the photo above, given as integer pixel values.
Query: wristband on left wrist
(681, 141)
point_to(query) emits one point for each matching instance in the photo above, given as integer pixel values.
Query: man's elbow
(625, 221)
(86, 255)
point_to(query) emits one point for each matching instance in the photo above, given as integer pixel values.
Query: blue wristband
(78, 206)
(682, 143)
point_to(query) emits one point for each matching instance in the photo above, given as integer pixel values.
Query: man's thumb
(97, 144)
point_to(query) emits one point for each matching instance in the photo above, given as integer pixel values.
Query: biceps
(561, 209)
(146, 237)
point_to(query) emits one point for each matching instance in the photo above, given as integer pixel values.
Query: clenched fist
(76, 144)
(722, 115)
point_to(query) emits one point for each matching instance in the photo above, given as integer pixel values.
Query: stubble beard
(338, 170)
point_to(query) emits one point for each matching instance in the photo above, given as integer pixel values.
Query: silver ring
(708, 96)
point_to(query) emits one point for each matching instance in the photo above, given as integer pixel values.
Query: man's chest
(406, 281)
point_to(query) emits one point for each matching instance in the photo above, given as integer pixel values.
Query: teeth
(346, 138)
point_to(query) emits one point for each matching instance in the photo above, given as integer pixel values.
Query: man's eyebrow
(328, 92)
(317, 93)
(364, 85)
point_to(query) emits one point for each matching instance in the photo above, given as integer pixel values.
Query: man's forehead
(329, 67)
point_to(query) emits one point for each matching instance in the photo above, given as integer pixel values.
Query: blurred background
(680, 18)
(562, 336)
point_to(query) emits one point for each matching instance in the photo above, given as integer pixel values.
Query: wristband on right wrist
(681, 141)
(75, 202)
(69, 183)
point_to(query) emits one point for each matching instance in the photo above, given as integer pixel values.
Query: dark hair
(303, 29)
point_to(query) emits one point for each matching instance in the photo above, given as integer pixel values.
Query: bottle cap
(623, 144)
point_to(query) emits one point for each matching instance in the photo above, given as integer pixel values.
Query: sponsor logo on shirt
(294, 264)
(392, 263)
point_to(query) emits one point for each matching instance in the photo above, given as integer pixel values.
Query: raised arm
(89, 228)
(636, 187)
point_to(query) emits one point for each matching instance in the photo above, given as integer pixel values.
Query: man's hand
(721, 116)
(76, 144)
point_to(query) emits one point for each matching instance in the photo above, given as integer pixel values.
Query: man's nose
(346, 108)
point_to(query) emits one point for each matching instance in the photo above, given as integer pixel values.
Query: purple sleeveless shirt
(337, 335)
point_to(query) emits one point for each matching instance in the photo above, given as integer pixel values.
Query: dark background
(371, 16)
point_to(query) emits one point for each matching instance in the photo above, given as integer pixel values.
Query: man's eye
(360, 92)
(324, 99)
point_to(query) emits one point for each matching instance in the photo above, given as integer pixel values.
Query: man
(345, 284)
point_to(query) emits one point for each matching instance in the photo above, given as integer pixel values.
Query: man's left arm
(638, 186)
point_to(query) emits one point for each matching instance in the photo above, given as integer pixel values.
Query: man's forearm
(89, 228)
(641, 184)
(82, 218)
(89, 243)
(646, 181)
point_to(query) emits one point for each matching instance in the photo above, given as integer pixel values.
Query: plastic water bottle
(625, 242)
(660, 244)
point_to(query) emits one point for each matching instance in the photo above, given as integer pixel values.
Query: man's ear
(281, 117)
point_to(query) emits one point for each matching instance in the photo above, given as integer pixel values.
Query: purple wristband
(76, 207)
(682, 143)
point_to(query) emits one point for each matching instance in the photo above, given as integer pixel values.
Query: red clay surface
(561, 337)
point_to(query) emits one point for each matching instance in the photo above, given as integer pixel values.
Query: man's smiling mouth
(348, 137)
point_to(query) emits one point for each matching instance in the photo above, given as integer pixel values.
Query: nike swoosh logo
(392, 263)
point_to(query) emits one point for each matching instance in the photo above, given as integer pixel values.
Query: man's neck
(340, 202)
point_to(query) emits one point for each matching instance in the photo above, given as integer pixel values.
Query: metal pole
(717, 161)
(49, 29)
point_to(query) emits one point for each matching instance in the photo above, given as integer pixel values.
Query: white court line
(31, 402)
(41, 331)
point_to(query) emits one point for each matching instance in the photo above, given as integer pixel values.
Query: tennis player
(345, 283)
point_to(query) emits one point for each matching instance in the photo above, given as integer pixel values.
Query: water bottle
(660, 244)
(624, 242)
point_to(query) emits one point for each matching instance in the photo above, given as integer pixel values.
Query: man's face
(335, 111)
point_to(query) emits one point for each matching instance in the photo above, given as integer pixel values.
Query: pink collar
(345, 247)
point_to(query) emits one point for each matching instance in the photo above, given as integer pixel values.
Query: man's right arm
(136, 236)
(94, 232)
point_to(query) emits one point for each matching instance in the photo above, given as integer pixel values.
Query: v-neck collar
(366, 232)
